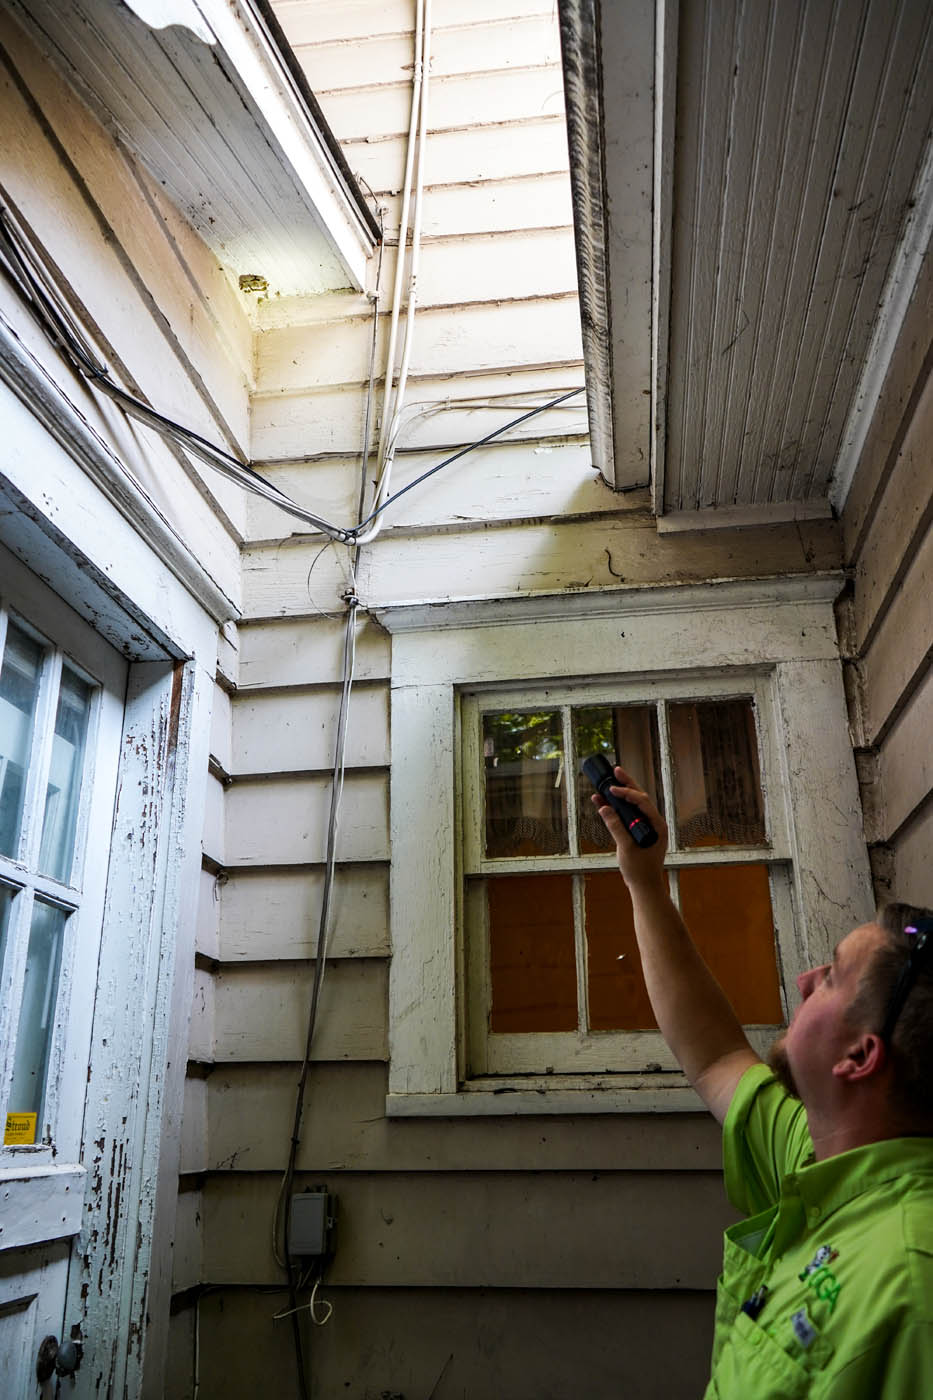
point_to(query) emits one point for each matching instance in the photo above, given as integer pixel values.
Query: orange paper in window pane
(727, 909)
(532, 966)
(617, 997)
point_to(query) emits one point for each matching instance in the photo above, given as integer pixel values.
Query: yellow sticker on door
(20, 1127)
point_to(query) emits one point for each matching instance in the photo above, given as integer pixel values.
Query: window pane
(64, 787)
(717, 783)
(618, 998)
(37, 1013)
(532, 965)
(526, 805)
(6, 904)
(727, 909)
(627, 735)
(19, 687)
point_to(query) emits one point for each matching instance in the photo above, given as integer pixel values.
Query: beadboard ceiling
(752, 201)
(203, 93)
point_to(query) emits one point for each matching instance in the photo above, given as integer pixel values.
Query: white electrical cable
(394, 400)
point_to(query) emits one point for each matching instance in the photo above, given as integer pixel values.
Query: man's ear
(865, 1057)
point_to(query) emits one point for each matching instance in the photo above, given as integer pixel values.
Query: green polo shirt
(844, 1250)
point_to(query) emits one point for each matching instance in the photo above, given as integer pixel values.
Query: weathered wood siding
(889, 616)
(539, 1257)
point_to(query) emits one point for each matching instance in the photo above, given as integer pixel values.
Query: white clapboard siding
(477, 99)
(498, 482)
(212, 837)
(276, 914)
(187, 1264)
(261, 1013)
(913, 872)
(449, 341)
(897, 517)
(530, 558)
(464, 48)
(906, 758)
(206, 940)
(535, 145)
(450, 1343)
(330, 419)
(536, 201)
(283, 821)
(250, 1109)
(904, 377)
(220, 729)
(902, 644)
(194, 1154)
(302, 653)
(327, 20)
(287, 732)
(201, 1028)
(488, 1229)
(527, 263)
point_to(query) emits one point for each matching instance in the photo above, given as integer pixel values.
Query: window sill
(540, 1096)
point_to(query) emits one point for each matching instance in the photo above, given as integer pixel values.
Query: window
(554, 982)
(729, 698)
(49, 722)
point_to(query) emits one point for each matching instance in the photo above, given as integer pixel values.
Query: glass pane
(19, 687)
(532, 965)
(37, 1014)
(61, 798)
(627, 735)
(717, 782)
(727, 909)
(6, 904)
(618, 998)
(526, 804)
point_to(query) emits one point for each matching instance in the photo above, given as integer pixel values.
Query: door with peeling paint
(62, 690)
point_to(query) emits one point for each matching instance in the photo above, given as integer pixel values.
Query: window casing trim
(746, 627)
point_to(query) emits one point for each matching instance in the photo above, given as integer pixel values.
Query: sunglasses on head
(920, 934)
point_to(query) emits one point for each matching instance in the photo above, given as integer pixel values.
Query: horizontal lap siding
(484, 1344)
(889, 547)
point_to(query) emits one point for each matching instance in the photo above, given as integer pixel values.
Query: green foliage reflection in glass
(526, 802)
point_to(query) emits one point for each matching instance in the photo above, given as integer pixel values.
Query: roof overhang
(753, 197)
(207, 94)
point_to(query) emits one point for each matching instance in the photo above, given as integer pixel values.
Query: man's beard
(779, 1064)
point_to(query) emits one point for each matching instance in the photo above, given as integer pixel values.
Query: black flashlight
(599, 771)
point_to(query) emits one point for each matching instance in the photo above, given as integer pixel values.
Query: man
(827, 1287)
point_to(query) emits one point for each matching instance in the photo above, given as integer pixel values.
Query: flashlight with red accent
(599, 771)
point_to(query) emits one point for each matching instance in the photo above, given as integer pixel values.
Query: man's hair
(912, 1038)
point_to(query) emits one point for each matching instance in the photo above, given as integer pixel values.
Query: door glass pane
(64, 786)
(627, 735)
(532, 964)
(717, 783)
(37, 1014)
(727, 909)
(526, 804)
(19, 688)
(618, 998)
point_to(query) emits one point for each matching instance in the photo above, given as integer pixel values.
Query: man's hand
(639, 865)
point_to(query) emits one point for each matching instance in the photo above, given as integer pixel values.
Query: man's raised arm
(691, 1008)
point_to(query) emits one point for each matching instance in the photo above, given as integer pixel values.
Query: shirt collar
(826, 1185)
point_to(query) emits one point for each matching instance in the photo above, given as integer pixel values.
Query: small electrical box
(311, 1224)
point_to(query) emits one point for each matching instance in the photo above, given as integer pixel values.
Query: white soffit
(801, 131)
(788, 152)
(205, 96)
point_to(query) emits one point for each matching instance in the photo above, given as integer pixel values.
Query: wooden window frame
(623, 1051)
(778, 635)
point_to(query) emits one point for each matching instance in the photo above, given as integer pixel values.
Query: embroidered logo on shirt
(804, 1330)
(820, 1277)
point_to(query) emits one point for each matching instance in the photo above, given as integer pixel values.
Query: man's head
(833, 1054)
